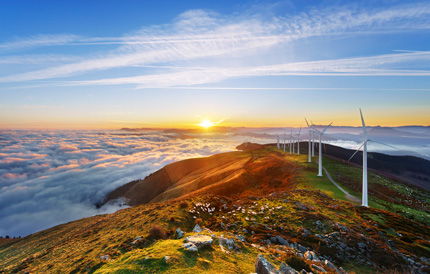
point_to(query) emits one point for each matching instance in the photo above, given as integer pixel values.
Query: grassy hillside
(286, 199)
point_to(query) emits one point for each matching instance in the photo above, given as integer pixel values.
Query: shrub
(183, 204)
(297, 264)
(199, 221)
(157, 232)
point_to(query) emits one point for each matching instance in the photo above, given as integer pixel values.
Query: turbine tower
(298, 140)
(319, 151)
(284, 140)
(277, 140)
(313, 139)
(309, 141)
(364, 200)
(291, 140)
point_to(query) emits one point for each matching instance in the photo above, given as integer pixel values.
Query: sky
(113, 64)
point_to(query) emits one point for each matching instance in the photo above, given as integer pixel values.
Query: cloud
(196, 36)
(51, 177)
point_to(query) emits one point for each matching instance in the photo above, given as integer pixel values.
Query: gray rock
(273, 240)
(199, 240)
(281, 240)
(362, 245)
(190, 247)
(179, 233)
(318, 269)
(241, 238)
(228, 243)
(286, 269)
(104, 257)
(262, 266)
(301, 248)
(197, 229)
(166, 259)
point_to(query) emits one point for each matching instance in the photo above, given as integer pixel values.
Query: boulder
(179, 233)
(197, 229)
(190, 247)
(286, 269)
(262, 266)
(281, 240)
(318, 269)
(301, 248)
(104, 257)
(228, 244)
(199, 240)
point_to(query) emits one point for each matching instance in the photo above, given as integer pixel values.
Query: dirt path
(347, 195)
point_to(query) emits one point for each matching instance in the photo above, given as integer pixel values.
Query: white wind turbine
(309, 141)
(364, 200)
(298, 140)
(277, 141)
(291, 141)
(319, 151)
(284, 140)
(313, 139)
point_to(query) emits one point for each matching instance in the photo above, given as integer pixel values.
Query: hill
(288, 214)
(227, 174)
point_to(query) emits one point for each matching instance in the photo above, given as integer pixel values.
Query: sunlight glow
(206, 124)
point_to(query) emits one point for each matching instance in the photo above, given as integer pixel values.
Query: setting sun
(206, 124)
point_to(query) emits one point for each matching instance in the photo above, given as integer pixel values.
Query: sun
(206, 124)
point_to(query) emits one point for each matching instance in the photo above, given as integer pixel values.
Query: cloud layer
(51, 177)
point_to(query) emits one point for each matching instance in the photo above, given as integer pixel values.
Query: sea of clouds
(52, 177)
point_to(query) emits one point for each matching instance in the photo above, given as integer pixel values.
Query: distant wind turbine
(284, 140)
(364, 200)
(313, 139)
(291, 141)
(277, 141)
(309, 141)
(298, 140)
(319, 150)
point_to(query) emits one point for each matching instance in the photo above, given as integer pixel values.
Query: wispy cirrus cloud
(199, 36)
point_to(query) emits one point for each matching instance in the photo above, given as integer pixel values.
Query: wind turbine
(284, 140)
(291, 140)
(309, 141)
(364, 200)
(277, 140)
(298, 140)
(313, 139)
(319, 151)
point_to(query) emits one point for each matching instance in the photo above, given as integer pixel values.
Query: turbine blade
(326, 128)
(317, 130)
(300, 129)
(307, 122)
(356, 151)
(382, 144)
(364, 125)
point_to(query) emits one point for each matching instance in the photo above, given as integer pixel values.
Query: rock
(286, 269)
(223, 226)
(273, 240)
(362, 245)
(166, 259)
(104, 257)
(190, 247)
(179, 233)
(262, 266)
(318, 269)
(281, 240)
(197, 229)
(228, 243)
(199, 240)
(301, 248)
(137, 239)
(241, 238)
(311, 256)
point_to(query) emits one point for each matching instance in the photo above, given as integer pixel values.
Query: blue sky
(95, 64)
